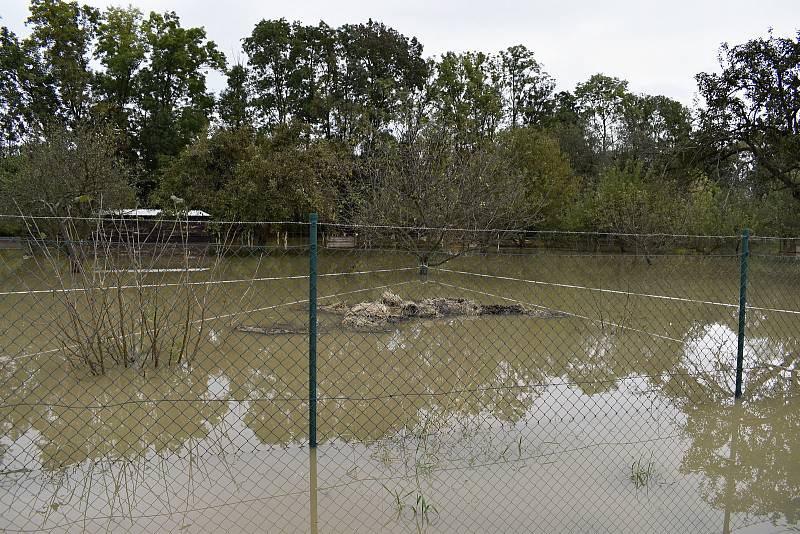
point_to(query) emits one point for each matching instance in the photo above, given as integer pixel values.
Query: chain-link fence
(169, 376)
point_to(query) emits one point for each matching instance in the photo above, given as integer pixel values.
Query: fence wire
(155, 378)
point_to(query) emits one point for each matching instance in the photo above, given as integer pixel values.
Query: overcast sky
(657, 46)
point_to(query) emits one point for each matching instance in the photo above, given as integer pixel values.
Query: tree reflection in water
(747, 451)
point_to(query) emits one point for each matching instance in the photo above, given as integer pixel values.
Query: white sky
(657, 46)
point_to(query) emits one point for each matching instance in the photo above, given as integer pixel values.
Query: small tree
(550, 185)
(138, 302)
(643, 212)
(67, 173)
(439, 200)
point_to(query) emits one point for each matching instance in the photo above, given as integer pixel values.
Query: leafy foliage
(75, 172)
(315, 113)
(753, 107)
(247, 178)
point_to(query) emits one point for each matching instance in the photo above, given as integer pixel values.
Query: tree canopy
(310, 112)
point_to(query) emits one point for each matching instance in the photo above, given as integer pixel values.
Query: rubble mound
(392, 309)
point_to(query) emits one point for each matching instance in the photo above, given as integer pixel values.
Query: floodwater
(617, 417)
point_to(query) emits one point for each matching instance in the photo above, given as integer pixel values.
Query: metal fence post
(742, 309)
(312, 370)
(312, 332)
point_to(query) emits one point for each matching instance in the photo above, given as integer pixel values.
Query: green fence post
(312, 332)
(742, 309)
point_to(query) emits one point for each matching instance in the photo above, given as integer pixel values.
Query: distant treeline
(102, 109)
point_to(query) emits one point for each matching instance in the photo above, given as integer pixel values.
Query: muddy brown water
(616, 418)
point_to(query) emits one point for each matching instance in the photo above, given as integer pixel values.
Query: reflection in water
(746, 450)
(313, 489)
(770, 365)
(730, 480)
(543, 416)
(747, 453)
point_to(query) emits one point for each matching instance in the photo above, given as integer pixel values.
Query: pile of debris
(391, 309)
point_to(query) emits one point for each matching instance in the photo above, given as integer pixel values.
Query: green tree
(753, 108)
(15, 115)
(567, 125)
(715, 209)
(173, 104)
(121, 50)
(657, 131)
(233, 174)
(68, 171)
(204, 169)
(774, 213)
(602, 100)
(468, 96)
(234, 101)
(270, 58)
(551, 187)
(295, 73)
(61, 37)
(314, 76)
(416, 109)
(628, 200)
(286, 181)
(527, 89)
(379, 67)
